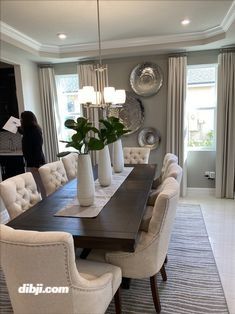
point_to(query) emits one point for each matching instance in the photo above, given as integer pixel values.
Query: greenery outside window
(201, 107)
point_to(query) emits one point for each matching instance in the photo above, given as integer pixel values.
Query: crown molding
(13, 36)
(229, 17)
(8, 31)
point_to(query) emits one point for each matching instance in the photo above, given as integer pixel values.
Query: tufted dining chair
(173, 171)
(151, 249)
(71, 165)
(19, 193)
(167, 161)
(47, 259)
(136, 155)
(53, 176)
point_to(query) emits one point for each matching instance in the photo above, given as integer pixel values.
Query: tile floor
(219, 216)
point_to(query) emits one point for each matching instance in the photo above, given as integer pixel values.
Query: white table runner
(102, 196)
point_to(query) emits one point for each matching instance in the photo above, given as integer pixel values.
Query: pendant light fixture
(101, 96)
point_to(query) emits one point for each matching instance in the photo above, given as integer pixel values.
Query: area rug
(193, 284)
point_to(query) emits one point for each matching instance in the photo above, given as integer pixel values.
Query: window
(69, 108)
(201, 107)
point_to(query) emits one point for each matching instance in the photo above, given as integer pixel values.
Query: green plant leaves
(84, 141)
(113, 130)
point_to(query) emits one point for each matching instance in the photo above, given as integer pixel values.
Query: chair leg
(163, 273)
(155, 295)
(166, 260)
(117, 301)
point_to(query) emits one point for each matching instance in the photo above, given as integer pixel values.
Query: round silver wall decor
(131, 114)
(146, 79)
(149, 137)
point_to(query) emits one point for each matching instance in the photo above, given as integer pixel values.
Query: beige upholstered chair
(71, 165)
(19, 193)
(53, 176)
(47, 258)
(174, 171)
(136, 155)
(150, 253)
(167, 161)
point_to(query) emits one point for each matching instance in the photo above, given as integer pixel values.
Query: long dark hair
(28, 119)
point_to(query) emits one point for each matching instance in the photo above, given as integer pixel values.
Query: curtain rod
(228, 49)
(178, 54)
(49, 65)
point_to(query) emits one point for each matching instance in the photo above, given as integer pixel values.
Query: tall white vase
(118, 159)
(104, 167)
(85, 181)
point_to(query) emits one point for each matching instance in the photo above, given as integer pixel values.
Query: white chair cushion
(136, 155)
(53, 176)
(19, 193)
(87, 270)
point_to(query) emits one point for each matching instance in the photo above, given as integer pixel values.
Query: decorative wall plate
(146, 79)
(149, 137)
(131, 114)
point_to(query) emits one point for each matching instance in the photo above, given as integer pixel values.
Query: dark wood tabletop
(116, 227)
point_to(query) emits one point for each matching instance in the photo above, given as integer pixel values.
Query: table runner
(102, 196)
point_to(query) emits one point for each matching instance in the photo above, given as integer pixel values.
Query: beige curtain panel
(49, 104)
(225, 150)
(176, 126)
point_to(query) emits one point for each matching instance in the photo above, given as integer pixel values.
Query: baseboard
(201, 191)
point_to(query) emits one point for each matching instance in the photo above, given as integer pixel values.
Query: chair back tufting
(136, 155)
(19, 193)
(53, 176)
(71, 165)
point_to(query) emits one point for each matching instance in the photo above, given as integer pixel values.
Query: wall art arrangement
(131, 114)
(146, 79)
(149, 137)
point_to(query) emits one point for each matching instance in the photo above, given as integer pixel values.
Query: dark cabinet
(8, 98)
(11, 166)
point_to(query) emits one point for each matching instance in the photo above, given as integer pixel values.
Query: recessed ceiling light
(62, 35)
(185, 22)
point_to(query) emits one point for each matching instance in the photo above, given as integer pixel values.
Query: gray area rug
(193, 284)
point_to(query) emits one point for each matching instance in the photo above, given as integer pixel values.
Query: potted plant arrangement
(83, 141)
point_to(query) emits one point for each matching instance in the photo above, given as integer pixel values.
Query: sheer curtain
(89, 77)
(49, 104)
(176, 125)
(225, 150)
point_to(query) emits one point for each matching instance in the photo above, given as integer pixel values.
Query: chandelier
(101, 96)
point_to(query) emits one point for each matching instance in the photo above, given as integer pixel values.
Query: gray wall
(155, 106)
(155, 109)
(198, 163)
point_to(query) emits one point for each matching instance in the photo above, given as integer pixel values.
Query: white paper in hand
(12, 124)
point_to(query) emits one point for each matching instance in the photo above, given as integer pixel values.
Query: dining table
(116, 226)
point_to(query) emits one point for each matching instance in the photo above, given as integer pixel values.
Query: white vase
(85, 181)
(118, 159)
(104, 167)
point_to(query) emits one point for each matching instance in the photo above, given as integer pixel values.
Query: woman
(32, 142)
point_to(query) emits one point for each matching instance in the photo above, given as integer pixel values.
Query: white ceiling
(128, 27)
